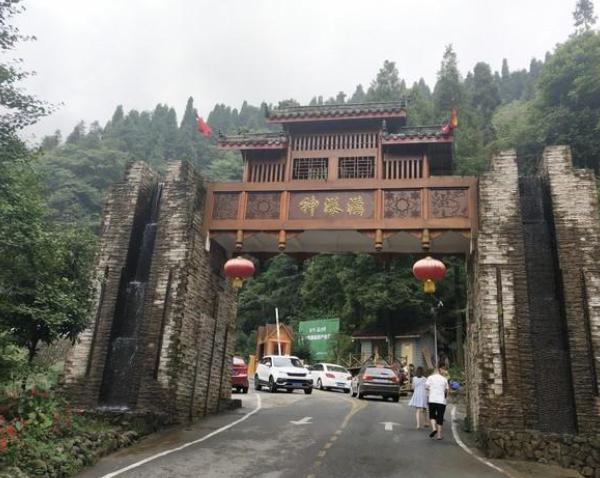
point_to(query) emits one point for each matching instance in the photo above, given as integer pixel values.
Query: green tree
(359, 95)
(191, 145)
(583, 15)
(44, 287)
(18, 109)
(485, 97)
(449, 90)
(568, 103)
(387, 86)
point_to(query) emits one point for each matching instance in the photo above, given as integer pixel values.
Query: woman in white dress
(419, 397)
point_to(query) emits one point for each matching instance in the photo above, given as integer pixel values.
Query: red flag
(203, 128)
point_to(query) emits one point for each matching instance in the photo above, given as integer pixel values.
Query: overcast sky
(93, 55)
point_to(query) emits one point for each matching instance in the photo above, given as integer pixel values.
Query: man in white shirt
(437, 386)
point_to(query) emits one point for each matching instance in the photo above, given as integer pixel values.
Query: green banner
(318, 333)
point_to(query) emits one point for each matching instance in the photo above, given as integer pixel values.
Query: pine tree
(449, 91)
(583, 15)
(191, 145)
(485, 97)
(359, 95)
(387, 85)
(77, 134)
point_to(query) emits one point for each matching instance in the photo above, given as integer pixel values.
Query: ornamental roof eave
(418, 134)
(378, 110)
(256, 141)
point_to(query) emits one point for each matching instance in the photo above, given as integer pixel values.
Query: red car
(239, 375)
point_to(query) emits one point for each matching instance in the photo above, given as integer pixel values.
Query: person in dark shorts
(437, 388)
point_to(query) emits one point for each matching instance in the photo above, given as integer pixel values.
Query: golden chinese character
(309, 205)
(356, 206)
(332, 206)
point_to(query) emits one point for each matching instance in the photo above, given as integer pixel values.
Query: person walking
(437, 386)
(419, 397)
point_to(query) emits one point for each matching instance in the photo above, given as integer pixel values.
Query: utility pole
(277, 325)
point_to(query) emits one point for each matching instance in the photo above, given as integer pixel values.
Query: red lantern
(429, 271)
(238, 269)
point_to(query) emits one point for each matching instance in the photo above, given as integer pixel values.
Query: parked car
(282, 371)
(327, 375)
(381, 381)
(239, 375)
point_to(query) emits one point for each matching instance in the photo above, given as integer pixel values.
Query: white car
(328, 375)
(282, 371)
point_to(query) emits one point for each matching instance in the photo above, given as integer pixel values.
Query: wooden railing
(403, 168)
(265, 172)
(325, 142)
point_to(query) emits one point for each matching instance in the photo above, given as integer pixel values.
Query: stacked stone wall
(499, 362)
(579, 452)
(185, 340)
(84, 366)
(184, 361)
(576, 222)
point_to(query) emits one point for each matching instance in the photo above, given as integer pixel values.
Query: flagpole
(277, 325)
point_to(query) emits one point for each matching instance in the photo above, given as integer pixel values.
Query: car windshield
(335, 368)
(287, 362)
(238, 361)
(379, 372)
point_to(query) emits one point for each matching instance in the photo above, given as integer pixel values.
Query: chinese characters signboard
(318, 333)
(331, 205)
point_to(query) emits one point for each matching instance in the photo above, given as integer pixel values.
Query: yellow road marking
(355, 408)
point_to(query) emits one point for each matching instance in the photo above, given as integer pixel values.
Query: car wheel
(319, 384)
(289, 390)
(346, 390)
(272, 387)
(360, 394)
(308, 391)
(257, 386)
(395, 398)
(245, 390)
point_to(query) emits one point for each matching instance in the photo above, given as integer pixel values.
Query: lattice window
(310, 168)
(356, 167)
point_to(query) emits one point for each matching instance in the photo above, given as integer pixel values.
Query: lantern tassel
(429, 286)
(237, 282)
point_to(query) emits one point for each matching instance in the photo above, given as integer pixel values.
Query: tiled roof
(253, 141)
(416, 133)
(344, 111)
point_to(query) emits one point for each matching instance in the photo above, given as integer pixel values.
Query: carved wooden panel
(402, 204)
(332, 204)
(449, 203)
(263, 206)
(225, 205)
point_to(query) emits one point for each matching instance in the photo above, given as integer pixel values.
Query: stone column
(498, 350)
(190, 306)
(574, 202)
(84, 366)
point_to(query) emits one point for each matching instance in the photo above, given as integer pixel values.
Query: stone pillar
(84, 366)
(498, 350)
(185, 340)
(576, 214)
(190, 310)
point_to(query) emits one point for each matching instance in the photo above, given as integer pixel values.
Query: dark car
(239, 375)
(381, 381)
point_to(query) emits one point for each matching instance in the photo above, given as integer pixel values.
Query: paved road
(344, 437)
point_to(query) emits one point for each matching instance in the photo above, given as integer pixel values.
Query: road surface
(326, 434)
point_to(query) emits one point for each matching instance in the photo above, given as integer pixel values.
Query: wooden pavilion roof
(276, 140)
(374, 110)
(417, 134)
